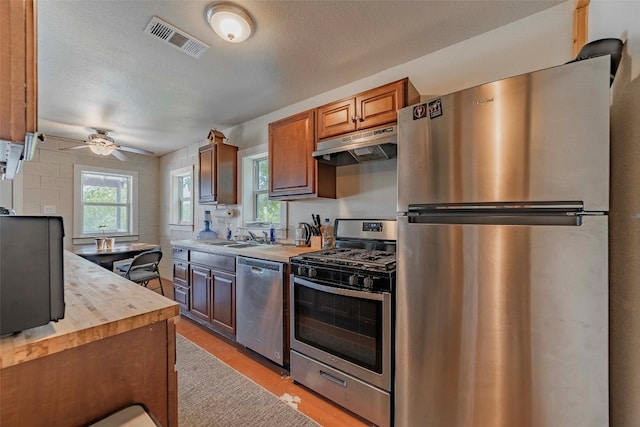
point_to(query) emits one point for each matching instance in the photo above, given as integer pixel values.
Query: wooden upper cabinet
(372, 108)
(218, 181)
(18, 91)
(293, 172)
(337, 118)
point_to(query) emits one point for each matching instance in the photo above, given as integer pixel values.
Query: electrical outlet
(48, 209)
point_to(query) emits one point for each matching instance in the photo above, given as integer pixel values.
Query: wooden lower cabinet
(181, 289)
(223, 302)
(200, 292)
(79, 385)
(208, 296)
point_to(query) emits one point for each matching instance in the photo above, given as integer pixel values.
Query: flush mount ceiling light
(101, 143)
(230, 22)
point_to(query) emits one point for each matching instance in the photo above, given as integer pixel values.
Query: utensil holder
(316, 242)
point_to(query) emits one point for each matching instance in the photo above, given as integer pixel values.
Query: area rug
(212, 394)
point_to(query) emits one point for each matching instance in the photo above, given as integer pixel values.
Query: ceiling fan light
(101, 150)
(230, 22)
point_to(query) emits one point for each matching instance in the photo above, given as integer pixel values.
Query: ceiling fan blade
(137, 150)
(118, 155)
(75, 147)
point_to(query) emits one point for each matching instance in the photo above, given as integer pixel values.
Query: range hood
(358, 147)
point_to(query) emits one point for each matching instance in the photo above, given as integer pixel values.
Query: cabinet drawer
(214, 261)
(181, 296)
(181, 272)
(181, 253)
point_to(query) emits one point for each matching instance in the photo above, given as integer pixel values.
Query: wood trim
(17, 69)
(31, 67)
(580, 25)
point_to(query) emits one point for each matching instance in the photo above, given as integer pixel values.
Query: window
(257, 210)
(264, 210)
(181, 193)
(105, 202)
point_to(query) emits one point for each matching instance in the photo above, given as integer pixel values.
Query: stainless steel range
(342, 318)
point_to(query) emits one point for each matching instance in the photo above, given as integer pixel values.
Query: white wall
(621, 19)
(48, 180)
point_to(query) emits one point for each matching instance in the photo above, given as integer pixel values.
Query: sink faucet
(252, 237)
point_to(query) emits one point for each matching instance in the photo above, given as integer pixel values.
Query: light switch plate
(48, 209)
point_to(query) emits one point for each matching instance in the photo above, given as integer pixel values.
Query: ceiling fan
(102, 144)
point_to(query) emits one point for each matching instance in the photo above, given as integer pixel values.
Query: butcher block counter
(114, 347)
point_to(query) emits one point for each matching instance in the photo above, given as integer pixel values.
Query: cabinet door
(226, 177)
(18, 109)
(223, 303)
(206, 175)
(379, 106)
(292, 169)
(200, 292)
(336, 118)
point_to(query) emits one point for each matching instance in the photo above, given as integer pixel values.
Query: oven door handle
(340, 291)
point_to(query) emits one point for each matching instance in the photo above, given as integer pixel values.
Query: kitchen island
(114, 347)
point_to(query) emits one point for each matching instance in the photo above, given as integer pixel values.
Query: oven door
(347, 329)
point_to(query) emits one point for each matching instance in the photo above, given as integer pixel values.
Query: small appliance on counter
(303, 234)
(31, 272)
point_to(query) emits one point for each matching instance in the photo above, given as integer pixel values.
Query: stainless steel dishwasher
(259, 306)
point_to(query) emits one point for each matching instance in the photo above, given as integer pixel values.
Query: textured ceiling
(96, 67)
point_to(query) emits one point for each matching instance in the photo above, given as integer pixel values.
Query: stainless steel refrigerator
(502, 294)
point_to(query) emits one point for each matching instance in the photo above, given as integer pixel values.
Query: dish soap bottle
(272, 234)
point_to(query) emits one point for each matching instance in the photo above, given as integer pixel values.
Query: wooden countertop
(98, 304)
(279, 253)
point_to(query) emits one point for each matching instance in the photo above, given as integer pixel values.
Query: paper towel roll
(223, 213)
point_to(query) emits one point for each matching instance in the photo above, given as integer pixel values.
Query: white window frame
(78, 235)
(248, 178)
(175, 211)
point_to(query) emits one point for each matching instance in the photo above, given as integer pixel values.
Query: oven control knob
(368, 282)
(353, 280)
(312, 272)
(301, 270)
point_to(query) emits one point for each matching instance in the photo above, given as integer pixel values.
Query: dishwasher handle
(257, 265)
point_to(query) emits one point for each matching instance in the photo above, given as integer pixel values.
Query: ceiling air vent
(172, 36)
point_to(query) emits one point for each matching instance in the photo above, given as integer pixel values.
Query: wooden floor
(265, 373)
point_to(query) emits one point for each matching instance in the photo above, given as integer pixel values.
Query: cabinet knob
(360, 119)
(354, 119)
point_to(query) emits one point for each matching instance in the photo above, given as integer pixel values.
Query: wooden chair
(144, 268)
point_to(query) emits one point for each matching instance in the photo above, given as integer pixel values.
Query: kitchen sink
(238, 245)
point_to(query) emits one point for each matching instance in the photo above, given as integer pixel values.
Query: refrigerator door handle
(498, 219)
(511, 213)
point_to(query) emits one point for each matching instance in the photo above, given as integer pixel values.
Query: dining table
(105, 257)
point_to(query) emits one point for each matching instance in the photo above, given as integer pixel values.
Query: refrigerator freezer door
(542, 136)
(502, 326)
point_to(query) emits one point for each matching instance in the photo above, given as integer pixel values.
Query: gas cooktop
(364, 259)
